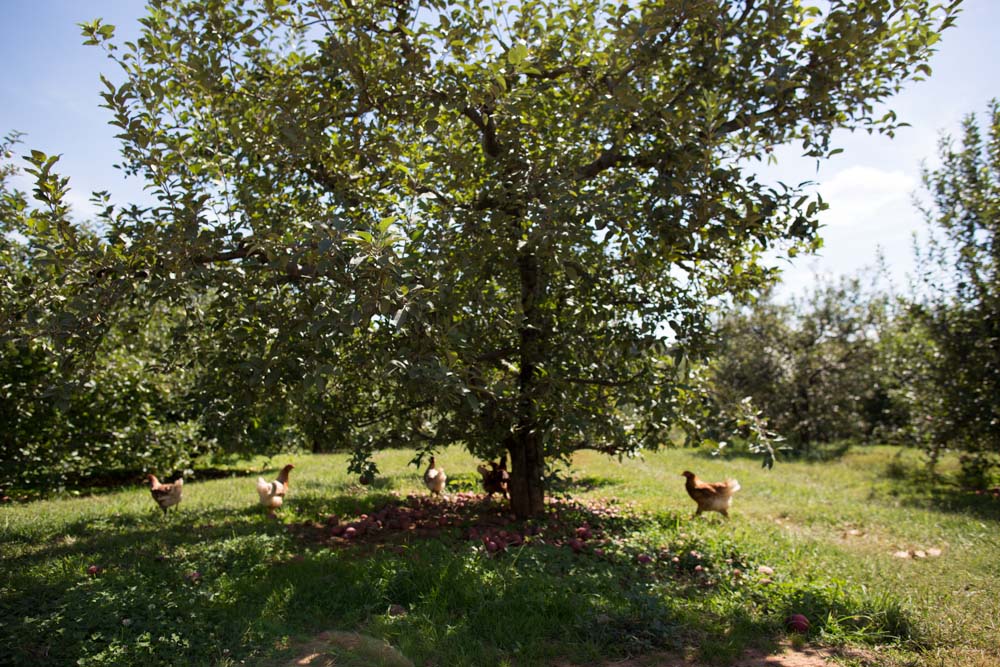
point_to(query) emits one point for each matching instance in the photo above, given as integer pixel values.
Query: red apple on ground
(797, 623)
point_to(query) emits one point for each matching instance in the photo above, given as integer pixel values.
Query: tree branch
(487, 126)
(602, 382)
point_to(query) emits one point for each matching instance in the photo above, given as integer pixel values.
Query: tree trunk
(527, 494)
(525, 444)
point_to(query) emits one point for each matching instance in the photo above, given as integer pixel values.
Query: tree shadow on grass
(912, 485)
(583, 576)
(559, 585)
(127, 536)
(568, 485)
(107, 482)
(380, 484)
(133, 577)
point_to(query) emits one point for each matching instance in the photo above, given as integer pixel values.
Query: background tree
(957, 310)
(70, 422)
(476, 222)
(814, 366)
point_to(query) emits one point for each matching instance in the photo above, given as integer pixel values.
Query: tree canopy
(497, 223)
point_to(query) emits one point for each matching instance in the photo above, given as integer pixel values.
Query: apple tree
(495, 223)
(954, 366)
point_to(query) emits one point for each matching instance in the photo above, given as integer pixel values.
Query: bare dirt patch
(349, 649)
(789, 656)
(346, 649)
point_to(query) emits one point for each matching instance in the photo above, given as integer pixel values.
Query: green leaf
(517, 54)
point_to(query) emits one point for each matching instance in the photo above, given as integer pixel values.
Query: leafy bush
(118, 422)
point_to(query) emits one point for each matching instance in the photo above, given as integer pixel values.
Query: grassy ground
(218, 583)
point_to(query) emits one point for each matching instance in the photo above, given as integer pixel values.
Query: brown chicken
(495, 477)
(165, 495)
(710, 496)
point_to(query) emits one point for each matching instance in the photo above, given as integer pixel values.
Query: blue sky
(49, 87)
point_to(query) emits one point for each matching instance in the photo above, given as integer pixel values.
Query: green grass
(218, 583)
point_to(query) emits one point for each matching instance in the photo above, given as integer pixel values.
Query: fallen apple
(797, 623)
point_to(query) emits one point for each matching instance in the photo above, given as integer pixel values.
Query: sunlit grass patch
(615, 568)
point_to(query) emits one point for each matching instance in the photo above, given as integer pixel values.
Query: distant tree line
(849, 362)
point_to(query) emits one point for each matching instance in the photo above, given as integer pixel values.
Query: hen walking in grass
(272, 494)
(710, 496)
(165, 495)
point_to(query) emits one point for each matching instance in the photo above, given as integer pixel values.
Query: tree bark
(525, 444)
(527, 493)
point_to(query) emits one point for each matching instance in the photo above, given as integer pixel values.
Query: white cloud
(871, 212)
(862, 195)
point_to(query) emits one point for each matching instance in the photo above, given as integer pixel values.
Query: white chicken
(435, 478)
(272, 494)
